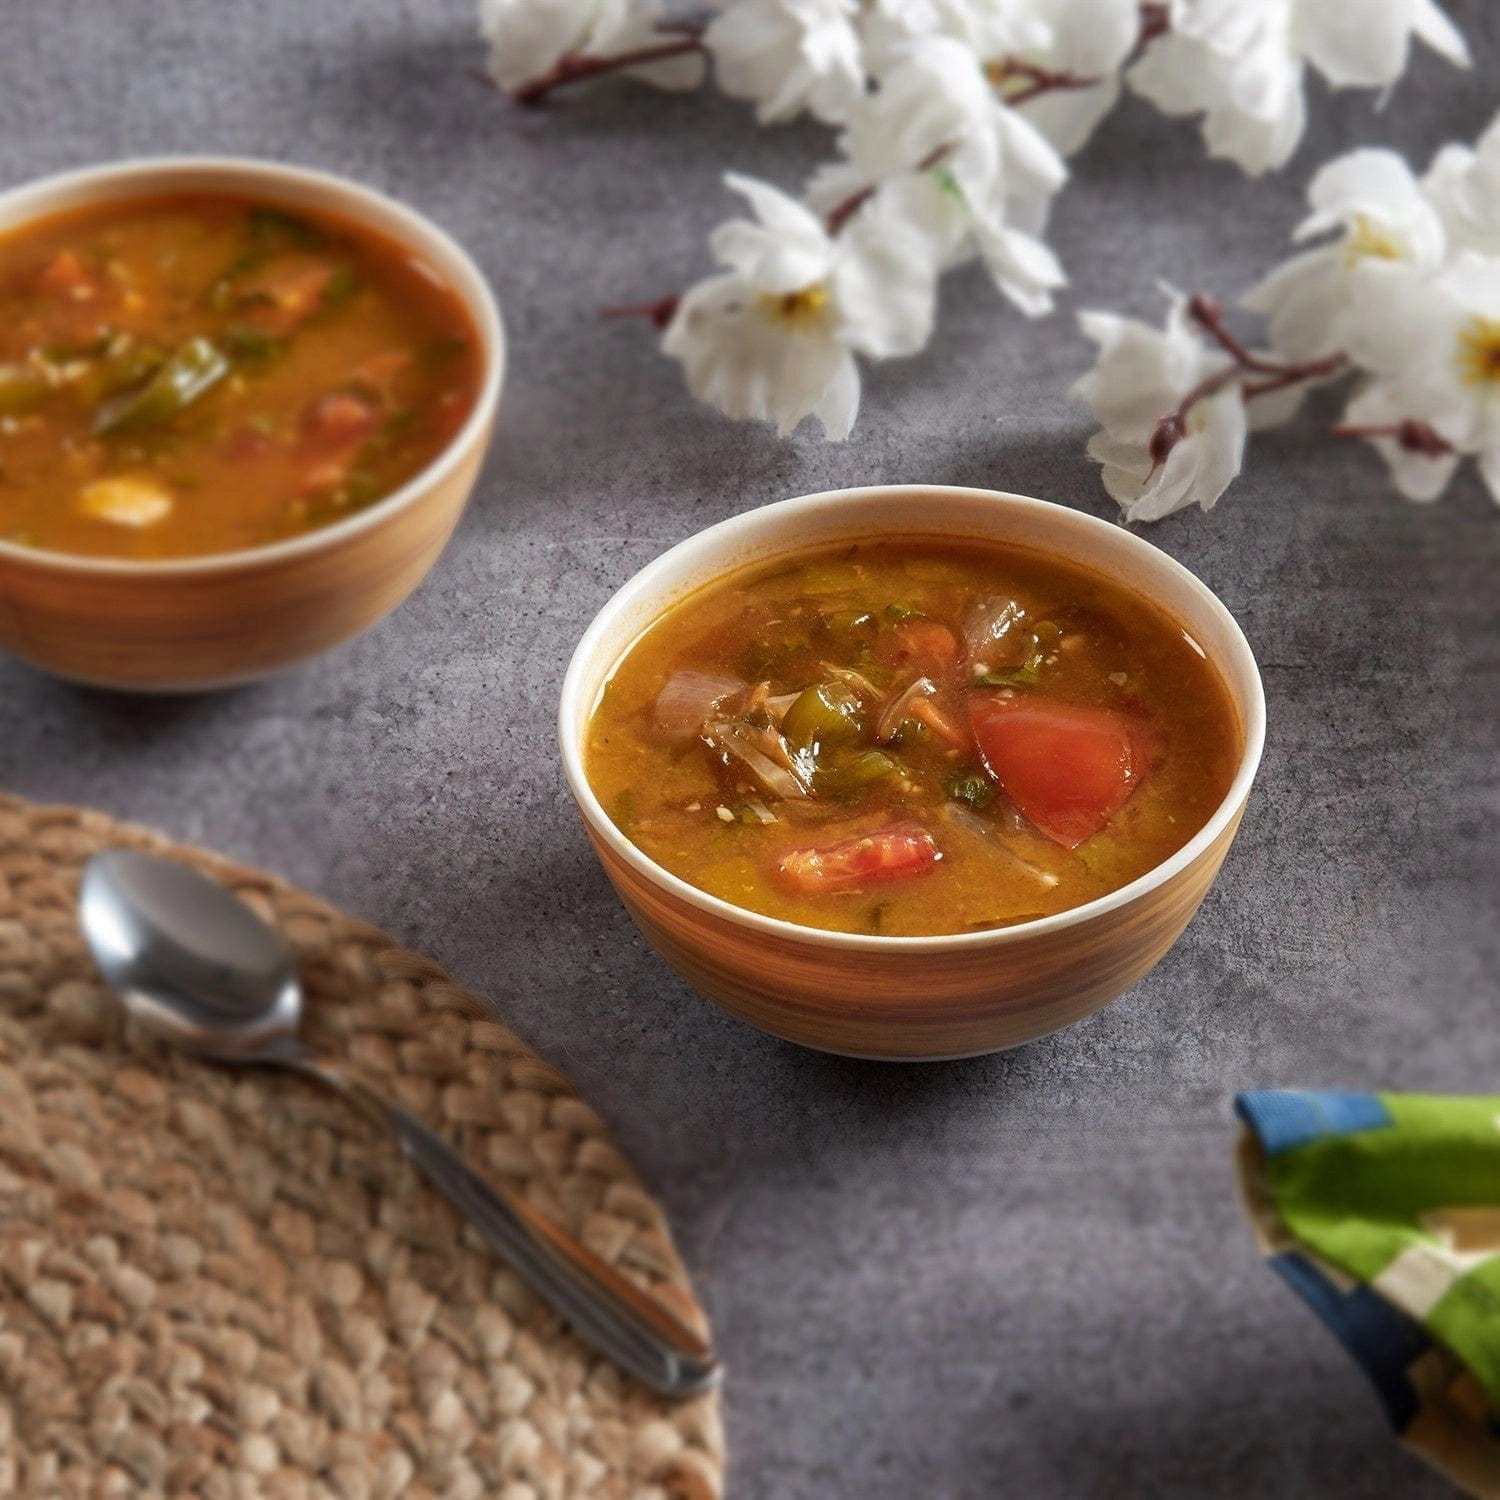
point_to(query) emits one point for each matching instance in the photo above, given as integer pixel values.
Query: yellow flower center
(1479, 351)
(803, 309)
(1367, 240)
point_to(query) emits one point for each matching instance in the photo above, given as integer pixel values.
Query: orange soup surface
(195, 374)
(908, 737)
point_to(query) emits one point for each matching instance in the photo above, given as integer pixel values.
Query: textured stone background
(1024, 1275)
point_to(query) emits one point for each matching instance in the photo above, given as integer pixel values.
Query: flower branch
(573, 67)
(953, 124)
(1410, 435)
(658, 313)
(1400, 297)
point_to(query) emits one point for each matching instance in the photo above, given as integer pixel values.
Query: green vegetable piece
(20, 387)
(275, 226)
(1028, 674)
(849, 621)
(827, 714)
(972, 788)
(864, 770)
(341, 286)
(62, 352)
(898, 612)
(252, 343)
(194, 369)
(362, 487)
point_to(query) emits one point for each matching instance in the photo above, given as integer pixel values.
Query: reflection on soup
(909, 737)
(193, 374)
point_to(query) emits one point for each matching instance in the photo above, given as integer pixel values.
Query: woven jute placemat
(227, 1284)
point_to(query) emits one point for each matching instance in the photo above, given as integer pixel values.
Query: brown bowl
(208, 621)
(912, 997)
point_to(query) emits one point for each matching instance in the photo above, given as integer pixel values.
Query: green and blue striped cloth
(1383, 1212)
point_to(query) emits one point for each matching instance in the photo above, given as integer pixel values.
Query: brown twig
(659, 313)
(573, 67)
(1409, 433)
(842, 212)
(1278, 375)
(1156, 21)
(1038, 80)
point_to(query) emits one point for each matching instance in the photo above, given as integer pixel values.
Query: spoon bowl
(188, 959)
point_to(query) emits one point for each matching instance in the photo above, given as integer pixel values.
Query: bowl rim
(365, 205)
(741, 530)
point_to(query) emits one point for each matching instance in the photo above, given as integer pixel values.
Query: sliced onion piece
(690, 699)
(982, 829)
(899, 710)
(986, 624)
(742, 745)
(919, 702)
(857, 680)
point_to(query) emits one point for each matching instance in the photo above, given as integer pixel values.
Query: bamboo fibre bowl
(912, 997)
(201, 622)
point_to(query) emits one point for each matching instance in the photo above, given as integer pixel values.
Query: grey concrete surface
(1021, 1276)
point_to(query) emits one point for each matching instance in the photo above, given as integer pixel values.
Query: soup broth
(911, 737)
(196, 374)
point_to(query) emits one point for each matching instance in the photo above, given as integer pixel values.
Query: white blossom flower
(527, 38)
(1241, 63)
(1088, 39)
(1171, 437)
(774, 337)
(789, 56)
(1384, 220)
(1463, 185)
(967, 171)
(1431, 345)
(989, 28)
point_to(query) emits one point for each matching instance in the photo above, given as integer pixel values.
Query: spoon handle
(604, 1309)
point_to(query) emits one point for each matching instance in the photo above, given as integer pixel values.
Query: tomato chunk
(334, 429)
(288, 295)
(926, 643)
(380, 372)
(66, 276)
(338, 420)
(892, 854)
(1068, 768)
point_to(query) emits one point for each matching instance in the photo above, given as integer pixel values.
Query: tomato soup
(907, 737)
(195, 374)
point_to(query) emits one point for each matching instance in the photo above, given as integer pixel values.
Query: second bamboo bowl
(200, 622)
(912, 997)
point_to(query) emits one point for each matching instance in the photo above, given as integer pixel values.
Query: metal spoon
(192, 963)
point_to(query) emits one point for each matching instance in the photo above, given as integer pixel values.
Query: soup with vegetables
(911, 737)
(195, 374)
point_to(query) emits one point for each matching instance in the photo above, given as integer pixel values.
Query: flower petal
(787, 250)
(885, 284)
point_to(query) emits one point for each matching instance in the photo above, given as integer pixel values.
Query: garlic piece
(125, 500)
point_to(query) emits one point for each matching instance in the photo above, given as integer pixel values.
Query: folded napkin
(1383, 1212)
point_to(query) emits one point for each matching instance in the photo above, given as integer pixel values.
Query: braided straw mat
(225, 1283)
